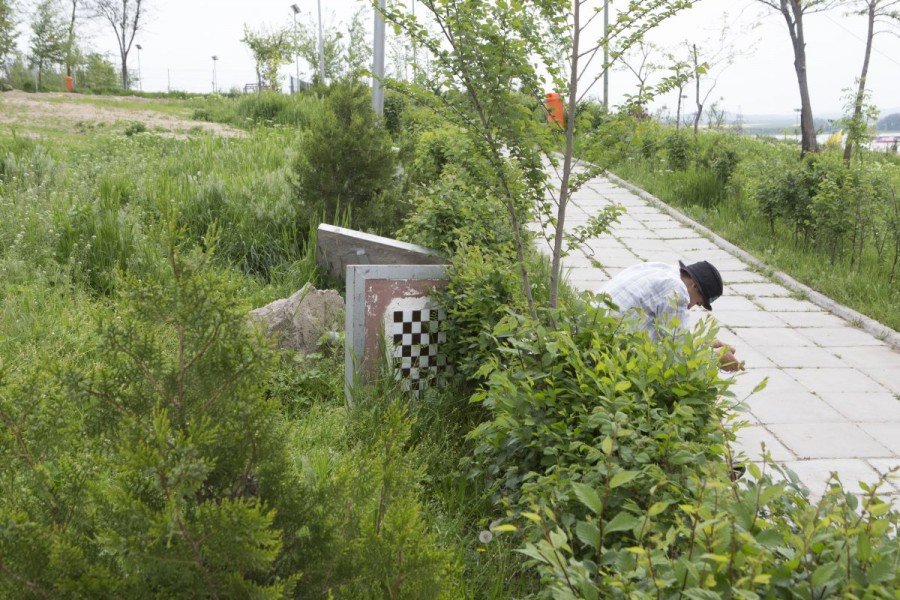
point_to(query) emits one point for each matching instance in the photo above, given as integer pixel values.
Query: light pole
(296, 9)
(321, 46)
(378, 61)
(140, 79)
(215, 59)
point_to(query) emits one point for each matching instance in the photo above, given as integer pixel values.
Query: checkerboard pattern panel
(418, 336)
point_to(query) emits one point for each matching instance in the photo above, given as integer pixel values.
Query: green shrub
(345, 163)
(135, 127)
(609, 455)
(678, 150)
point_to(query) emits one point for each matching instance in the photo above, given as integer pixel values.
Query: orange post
(69, 82)
(555, 111)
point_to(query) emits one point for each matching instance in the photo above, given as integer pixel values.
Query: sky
(180, 37)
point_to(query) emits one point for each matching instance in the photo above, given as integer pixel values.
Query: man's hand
(727, 359)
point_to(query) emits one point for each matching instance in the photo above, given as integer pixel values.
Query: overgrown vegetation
(154, 446)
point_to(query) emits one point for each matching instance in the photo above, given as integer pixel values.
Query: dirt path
(69, 111)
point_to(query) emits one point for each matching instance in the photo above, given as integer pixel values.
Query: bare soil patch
(71, 111)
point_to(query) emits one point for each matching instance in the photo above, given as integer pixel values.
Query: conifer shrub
(346, 164)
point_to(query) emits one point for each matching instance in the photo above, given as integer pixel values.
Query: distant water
(883, 140)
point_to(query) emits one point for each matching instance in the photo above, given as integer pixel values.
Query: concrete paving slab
(691, 244)
(828, 440)
(726, 303)
(741, 276)
(747, 318)
(777, 382)
(807, 356)
(775, 408)
(885, 433)
(756, 290)
(782, 304)
(754, 441)
(843, 336)
(815, 474)
(875, 407)
(844, 379)
(889, 378)
(868, 357)
(810, 319)
(767, 337)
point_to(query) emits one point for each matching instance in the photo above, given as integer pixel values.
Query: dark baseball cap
(707, 279)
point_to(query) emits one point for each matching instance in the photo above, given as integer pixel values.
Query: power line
(854, 35)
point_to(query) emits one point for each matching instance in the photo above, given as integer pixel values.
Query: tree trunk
(792, 10)
(699, 110)
(861, 90)
(556, 265)
(71, 40)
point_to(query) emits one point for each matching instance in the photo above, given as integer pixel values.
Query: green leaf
(606, 445)
(622, 477)
(621, 522)
(761, 385)
(701, 594)
(863, 546)
(882, 571)
(824, 574)
(588, 496)
(505, 527)
(588, 533)
(658, 507)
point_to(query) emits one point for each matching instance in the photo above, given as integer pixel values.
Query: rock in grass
(299, 322)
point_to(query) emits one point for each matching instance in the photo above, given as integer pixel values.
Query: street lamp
(296, 9)
(140, 79)
(214, 59)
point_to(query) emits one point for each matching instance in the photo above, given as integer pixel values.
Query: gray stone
(299, 322)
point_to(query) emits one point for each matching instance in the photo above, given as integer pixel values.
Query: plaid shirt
(652, 297)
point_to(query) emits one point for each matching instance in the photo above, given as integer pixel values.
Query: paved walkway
(832, 402)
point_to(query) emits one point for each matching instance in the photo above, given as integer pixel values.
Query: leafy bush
(609, 455)
(678, 150)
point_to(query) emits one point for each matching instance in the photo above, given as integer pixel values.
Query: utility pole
(321, 47)
(378, 61)
(296, 86)
(215, 59)
(140, 77)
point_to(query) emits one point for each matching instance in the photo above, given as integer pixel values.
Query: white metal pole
(321, 46)
(378, 61)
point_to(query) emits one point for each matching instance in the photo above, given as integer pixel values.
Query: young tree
(793, 12)
(124, 16)
(8, 31)
(640, 62)
(877, 12)
(270, 49)
(307, 46)
(48, 40)
(485, 57)
(358, 51)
